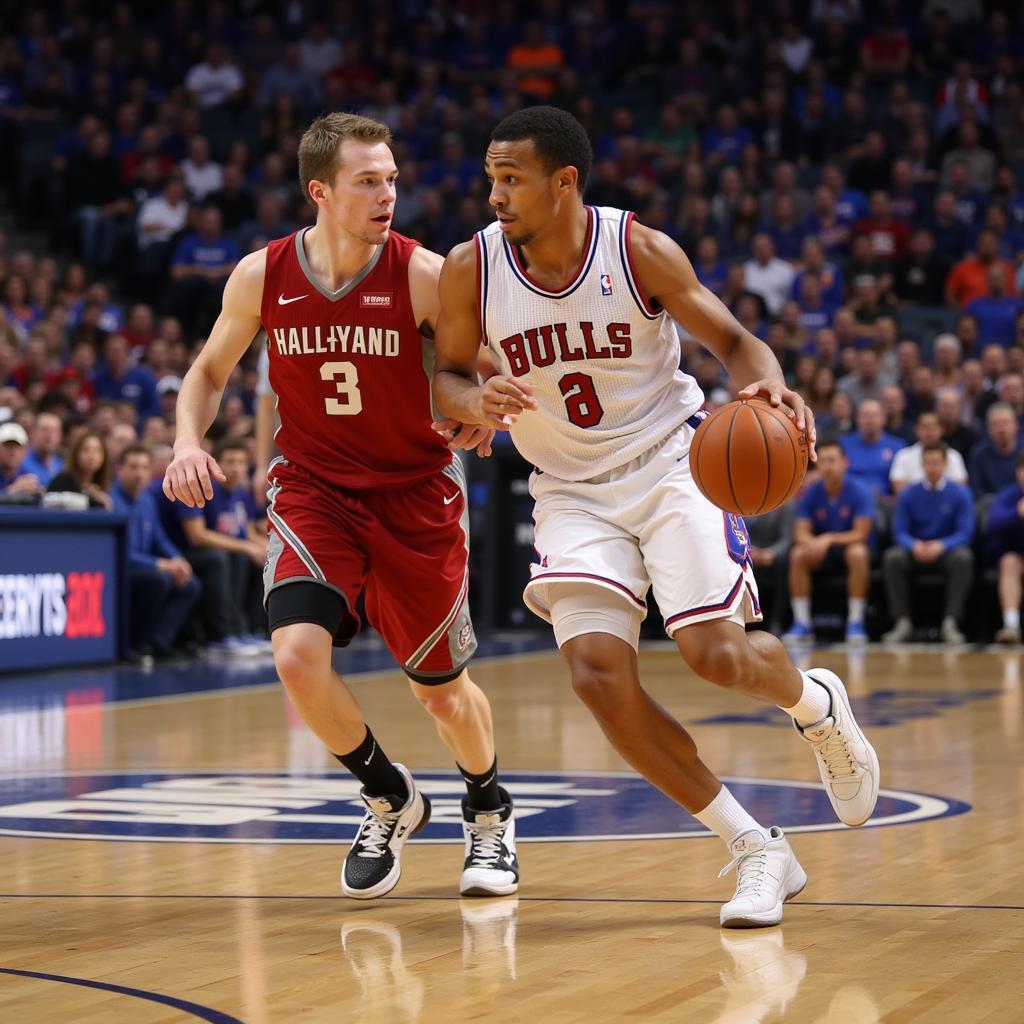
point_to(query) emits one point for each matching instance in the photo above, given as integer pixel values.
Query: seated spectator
(889, 237)
(766, 275)
(979, 162)
(1004, 533)
(969, 279)
(290, 78)
(993, 460)
(710, 268)
(233, 198)
(832, 532)
(921, 274)
(997, 311)
(13, 444)
(87, 471)
(162, 589)
(955, 432)
(786, 231)
(43, 459)
(118, 380)
(869, 449)
(160, 219)
(867, 379)
(952, 236)
(812, 258)
(933, 529)
(201, 266)
(826, 225)
(227, 548)
(202, 175)
(723, 141)
(894, 407)
(920, 391)
(215, 81)
(908, 463)
(268, 224)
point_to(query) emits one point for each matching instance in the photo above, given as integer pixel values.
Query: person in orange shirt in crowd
(536, 63)
(968, 280)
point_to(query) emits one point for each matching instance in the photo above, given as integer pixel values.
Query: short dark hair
(232, 444)
(560, 140)
(134, 449)
(829, 442)
(936, 446)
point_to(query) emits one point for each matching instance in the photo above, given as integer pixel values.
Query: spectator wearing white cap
(13, 443)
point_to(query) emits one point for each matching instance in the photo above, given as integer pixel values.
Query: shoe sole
(392, 878)
(491, 890)
(797, 881)
(872, 756)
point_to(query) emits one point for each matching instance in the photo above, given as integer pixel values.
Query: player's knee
(598, 684)
(722, 663)
(443, 703)
(299, 669)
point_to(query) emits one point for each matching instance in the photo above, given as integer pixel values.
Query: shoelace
(750, 867)
(486, 843)
(374, 835)
(837, 756)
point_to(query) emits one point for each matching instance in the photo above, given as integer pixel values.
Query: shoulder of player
(659, 263)
(245, 286)
(462, 256)
(425, 264)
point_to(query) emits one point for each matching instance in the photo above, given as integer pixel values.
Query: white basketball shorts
(644, 524)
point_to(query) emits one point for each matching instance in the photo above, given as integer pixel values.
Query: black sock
(370, 765)
(482, 790)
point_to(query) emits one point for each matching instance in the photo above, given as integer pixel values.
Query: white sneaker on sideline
(847, 763)
(767, 874)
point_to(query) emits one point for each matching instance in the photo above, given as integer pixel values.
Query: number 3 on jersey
(581, 401)
(347, 386)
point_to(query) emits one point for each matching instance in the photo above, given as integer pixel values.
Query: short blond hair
(319, 147)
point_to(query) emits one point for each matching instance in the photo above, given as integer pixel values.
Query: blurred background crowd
(847, 176)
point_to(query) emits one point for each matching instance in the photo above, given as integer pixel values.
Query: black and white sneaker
(491, 868)
(373, 865)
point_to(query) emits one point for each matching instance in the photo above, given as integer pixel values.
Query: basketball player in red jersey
(366, 496)
(575, 304)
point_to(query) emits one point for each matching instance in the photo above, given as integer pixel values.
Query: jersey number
(581, 401)
(347, 386)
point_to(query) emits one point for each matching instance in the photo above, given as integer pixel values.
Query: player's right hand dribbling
(500, 400)
(188, 477)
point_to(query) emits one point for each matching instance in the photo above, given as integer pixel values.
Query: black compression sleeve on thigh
(440, 680)
(304, 601)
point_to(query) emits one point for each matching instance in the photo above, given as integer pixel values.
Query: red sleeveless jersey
(350, 370)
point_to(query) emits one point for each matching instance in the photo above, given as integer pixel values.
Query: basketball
(748, 457)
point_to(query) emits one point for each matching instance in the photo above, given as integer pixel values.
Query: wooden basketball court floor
(180, 901)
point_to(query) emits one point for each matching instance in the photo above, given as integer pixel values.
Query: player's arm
(666, 275)
(458, 392)
(188, 476)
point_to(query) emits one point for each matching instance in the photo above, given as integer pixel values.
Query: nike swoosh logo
(402, 830)
(448, 500)
(282, 301)
(372, 752)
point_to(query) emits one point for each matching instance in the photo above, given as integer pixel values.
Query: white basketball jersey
(603, 364)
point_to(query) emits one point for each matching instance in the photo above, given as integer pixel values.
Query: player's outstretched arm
(457, 391)
(666, 275)
(188, 476)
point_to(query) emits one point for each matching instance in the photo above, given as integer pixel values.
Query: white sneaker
(768, 874)
(900, 633)
(846, 761)
(491, 867)
(951, 631)
(374, 862)
(1008, 635)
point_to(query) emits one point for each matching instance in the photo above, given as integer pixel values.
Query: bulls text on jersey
(543, 346)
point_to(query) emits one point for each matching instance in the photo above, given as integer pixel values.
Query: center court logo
(251, 807)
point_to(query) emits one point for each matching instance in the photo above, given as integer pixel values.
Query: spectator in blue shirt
(723, 141)
(993, 460)
(1004, 532)
(832, 532)
(870, 449)
(711, 270)
(161, 585)
(200, 268)
(227, 547)
(42, 460)
(933, 529)
(815, 313)
(119, 381)
(13, 442)
(996, 312)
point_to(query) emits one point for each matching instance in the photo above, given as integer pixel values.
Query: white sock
(801, 610)
(726, 817)
(857, 605)
(1011, 618)
(814, 703)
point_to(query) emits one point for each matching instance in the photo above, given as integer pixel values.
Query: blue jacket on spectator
(995, 318)
(137, 385)
(988, 470)
(944, 513)
(147, 540)
(43, 473)
(1004, 527)
(870, 463)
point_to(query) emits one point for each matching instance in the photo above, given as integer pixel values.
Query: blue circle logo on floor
(257, 807)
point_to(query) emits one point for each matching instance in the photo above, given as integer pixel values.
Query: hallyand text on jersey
(333, 339)
(567, 343)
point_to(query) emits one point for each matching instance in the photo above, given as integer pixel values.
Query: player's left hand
(791, 403)
(465, 436)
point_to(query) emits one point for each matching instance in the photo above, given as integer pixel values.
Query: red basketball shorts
(406, 548)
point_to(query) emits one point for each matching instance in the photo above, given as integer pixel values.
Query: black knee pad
(306, 601)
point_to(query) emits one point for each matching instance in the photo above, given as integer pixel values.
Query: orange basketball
(748, 457)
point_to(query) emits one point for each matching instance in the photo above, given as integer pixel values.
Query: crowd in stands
(847, 176)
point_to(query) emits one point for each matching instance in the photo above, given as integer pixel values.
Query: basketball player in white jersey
(575, 306)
